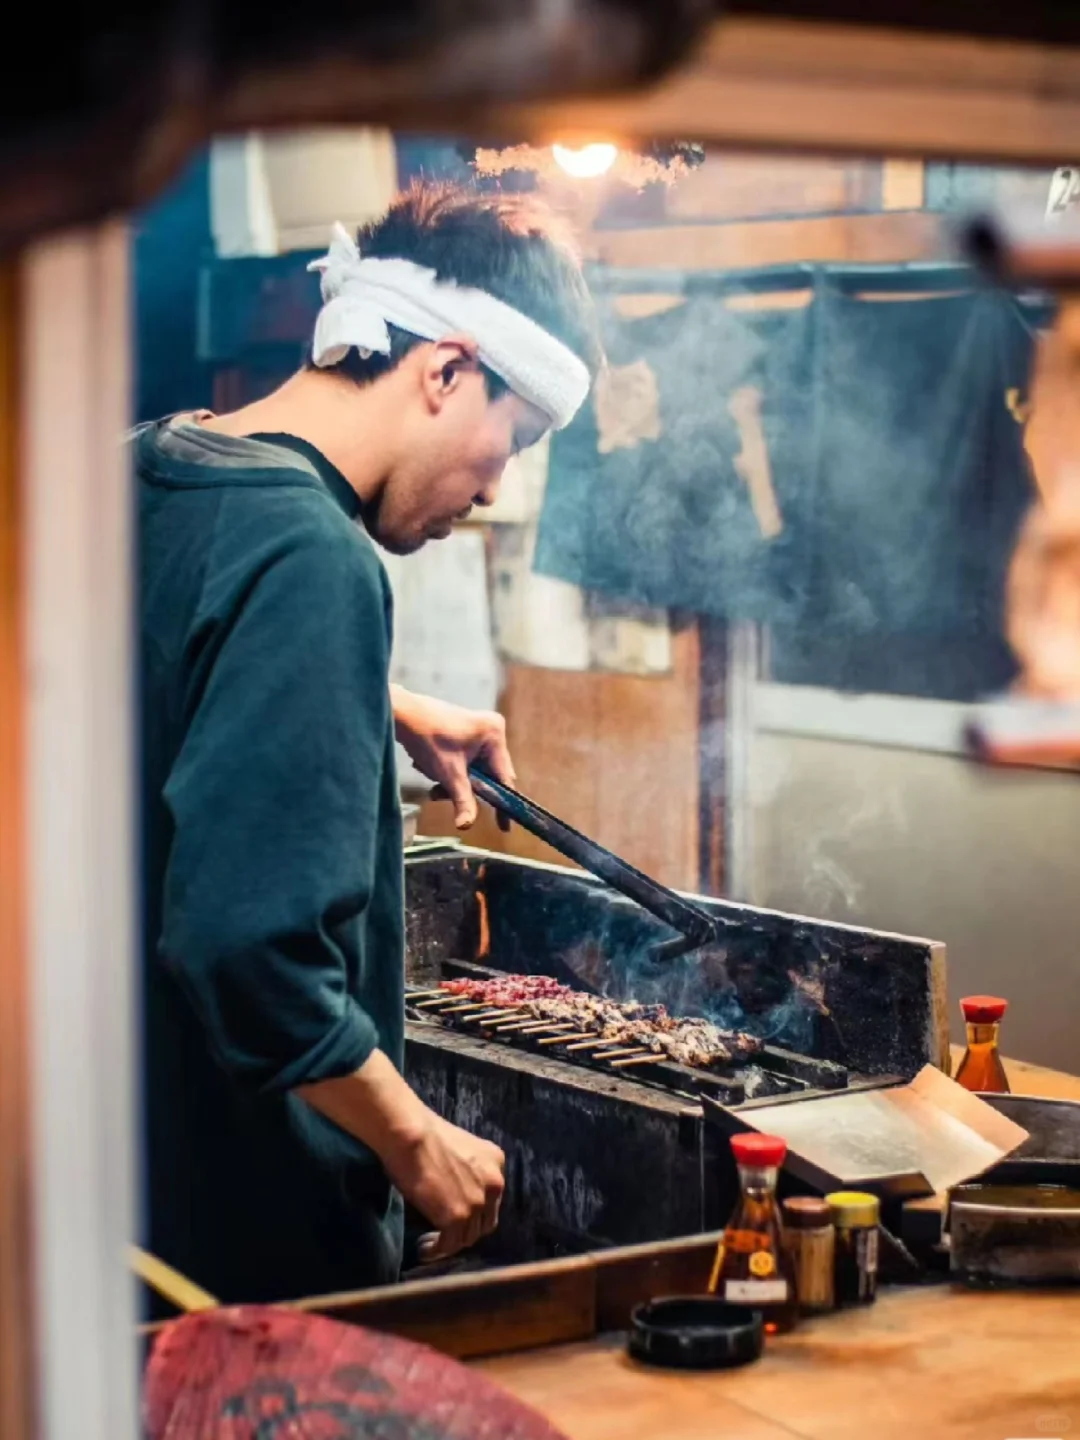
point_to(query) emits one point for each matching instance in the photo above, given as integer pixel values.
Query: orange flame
(484, 948)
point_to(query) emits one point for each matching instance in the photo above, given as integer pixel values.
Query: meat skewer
(508, 989)
(542, 1003)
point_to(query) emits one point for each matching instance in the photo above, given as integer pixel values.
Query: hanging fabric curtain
(837, 452)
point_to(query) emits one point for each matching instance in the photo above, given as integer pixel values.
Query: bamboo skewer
(169, 1283)
(516, 1021)
(509, 1021)
(483, 1013)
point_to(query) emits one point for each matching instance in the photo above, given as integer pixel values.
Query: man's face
(457, 442)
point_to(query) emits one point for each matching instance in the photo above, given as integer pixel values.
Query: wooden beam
(1043, 20)
(513, 1308)
(520, 1307)
(16, 1294)
(760, 187)
(845, 89)
(871, 239)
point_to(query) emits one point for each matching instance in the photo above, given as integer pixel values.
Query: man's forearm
(453, 1179)
(402, 707)
(374, 1104)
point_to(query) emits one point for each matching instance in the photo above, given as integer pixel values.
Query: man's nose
(489, 491)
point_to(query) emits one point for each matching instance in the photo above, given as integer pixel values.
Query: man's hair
(509, 245)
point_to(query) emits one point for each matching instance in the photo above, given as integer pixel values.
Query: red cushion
(260, 1373)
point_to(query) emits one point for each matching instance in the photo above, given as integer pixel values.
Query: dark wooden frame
(519, 1307)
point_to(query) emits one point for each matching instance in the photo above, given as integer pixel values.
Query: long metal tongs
(695, 926)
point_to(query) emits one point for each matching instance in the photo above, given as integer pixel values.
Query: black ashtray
(695, 1332)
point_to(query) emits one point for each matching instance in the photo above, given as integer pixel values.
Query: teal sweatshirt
(272, 862)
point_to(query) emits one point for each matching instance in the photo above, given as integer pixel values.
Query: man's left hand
(442, 741)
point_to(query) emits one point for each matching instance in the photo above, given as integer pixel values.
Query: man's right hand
(453, 1178)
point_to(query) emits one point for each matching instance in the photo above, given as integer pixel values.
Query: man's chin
(409, 544)
(402, 544)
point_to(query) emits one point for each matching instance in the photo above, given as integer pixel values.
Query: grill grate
(771, 1072)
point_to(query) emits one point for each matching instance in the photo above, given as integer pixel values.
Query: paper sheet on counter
(906, 1140)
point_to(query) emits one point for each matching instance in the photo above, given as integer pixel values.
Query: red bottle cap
(754, 1149)
(983, 1009)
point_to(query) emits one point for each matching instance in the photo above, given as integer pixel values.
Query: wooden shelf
(847, 89)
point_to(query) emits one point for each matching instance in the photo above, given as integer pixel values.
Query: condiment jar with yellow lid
(856, 1217)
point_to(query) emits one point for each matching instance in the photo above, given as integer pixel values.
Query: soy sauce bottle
(753, 1266)
(981, 1067)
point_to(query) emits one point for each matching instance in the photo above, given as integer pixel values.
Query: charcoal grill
(601, 1152)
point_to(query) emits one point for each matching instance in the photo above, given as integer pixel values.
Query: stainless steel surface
(997, 1239)
(1053, 1126)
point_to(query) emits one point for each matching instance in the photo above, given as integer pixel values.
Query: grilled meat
(686, 1041)
(509, 990)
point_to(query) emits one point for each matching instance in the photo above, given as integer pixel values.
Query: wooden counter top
(933, 1363)
(1028, 1079)
(928, 1364)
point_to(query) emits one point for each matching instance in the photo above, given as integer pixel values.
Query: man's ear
(445, 363)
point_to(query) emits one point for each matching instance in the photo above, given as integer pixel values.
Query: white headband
(361, 296)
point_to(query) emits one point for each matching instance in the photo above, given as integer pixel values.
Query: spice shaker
(856, 1217)
(811, 1241)
(981, 1068)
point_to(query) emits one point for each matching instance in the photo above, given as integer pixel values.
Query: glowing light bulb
(586, 163)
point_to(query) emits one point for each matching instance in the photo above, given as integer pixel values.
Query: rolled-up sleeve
(274, 799)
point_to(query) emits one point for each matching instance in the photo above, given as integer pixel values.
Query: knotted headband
(362, 297)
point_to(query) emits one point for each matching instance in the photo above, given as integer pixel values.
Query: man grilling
(281, 1134)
